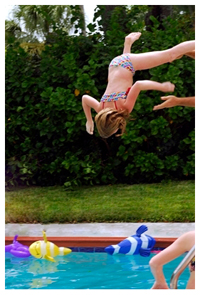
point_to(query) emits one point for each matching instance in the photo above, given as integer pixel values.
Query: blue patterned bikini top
(114, 96)
(123, 61)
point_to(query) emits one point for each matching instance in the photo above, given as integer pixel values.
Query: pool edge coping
(161, 242)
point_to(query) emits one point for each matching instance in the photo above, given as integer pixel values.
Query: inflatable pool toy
(133, 245)
(17, 249)
(47, 250)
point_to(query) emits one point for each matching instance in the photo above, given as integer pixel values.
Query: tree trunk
(160, 12)
(83, 14)
(106, 16)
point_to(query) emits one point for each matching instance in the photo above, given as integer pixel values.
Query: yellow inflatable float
(47, 250)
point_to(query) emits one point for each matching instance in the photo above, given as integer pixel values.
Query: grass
(166, 202)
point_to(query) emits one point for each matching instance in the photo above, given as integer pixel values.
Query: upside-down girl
(119, 98)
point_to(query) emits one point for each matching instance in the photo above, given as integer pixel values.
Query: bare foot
(168, 87)
(129, 40)
(132, 37)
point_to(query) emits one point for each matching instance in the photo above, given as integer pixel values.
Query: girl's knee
(154, 262)
(172, 55)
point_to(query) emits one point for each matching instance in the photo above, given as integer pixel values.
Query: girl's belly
(119, 79)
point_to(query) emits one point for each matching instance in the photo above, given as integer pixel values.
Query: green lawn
(162, 202)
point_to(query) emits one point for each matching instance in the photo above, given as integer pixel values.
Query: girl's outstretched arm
(145, 85)
(89, 102)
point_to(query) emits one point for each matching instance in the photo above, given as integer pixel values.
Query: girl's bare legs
(147, 60)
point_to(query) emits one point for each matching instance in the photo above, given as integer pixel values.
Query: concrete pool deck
(160, 230)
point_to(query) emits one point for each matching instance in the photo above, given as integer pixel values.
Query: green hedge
(46, 140)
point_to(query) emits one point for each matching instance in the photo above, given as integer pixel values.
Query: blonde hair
(109, 120)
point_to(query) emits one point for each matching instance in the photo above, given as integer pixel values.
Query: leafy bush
(46, 141)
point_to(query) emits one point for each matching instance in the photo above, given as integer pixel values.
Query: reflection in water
(40, 283)
(42, 267)
(129, 262)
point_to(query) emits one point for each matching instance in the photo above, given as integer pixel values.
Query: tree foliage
(46, 141)
(39, 21)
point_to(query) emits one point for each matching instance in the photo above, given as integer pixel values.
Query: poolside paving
(97, 229)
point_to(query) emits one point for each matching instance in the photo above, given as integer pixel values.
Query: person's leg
(191, 54)
(147, 60)
(191, 281)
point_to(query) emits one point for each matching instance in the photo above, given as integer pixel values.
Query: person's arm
(181, 245)
(145, 85)
(172, 101)
(89, 102)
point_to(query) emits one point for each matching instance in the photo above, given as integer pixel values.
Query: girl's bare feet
(129, 40)
(168, 87)
(132, 37)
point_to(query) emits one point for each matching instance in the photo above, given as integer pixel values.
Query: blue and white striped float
(133, 245)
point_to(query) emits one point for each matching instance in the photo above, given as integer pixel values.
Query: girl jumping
(120, 95)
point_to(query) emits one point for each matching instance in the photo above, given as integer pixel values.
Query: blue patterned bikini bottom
(123, 61)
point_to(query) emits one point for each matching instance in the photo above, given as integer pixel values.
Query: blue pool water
(80, 270)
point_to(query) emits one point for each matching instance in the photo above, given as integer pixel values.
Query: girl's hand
(90, 127)
(168, 87)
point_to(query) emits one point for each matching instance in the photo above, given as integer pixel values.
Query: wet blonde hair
(109, 120)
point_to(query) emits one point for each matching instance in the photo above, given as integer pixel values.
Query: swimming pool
(81, 270)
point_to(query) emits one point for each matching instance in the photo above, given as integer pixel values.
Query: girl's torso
(120, 79)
